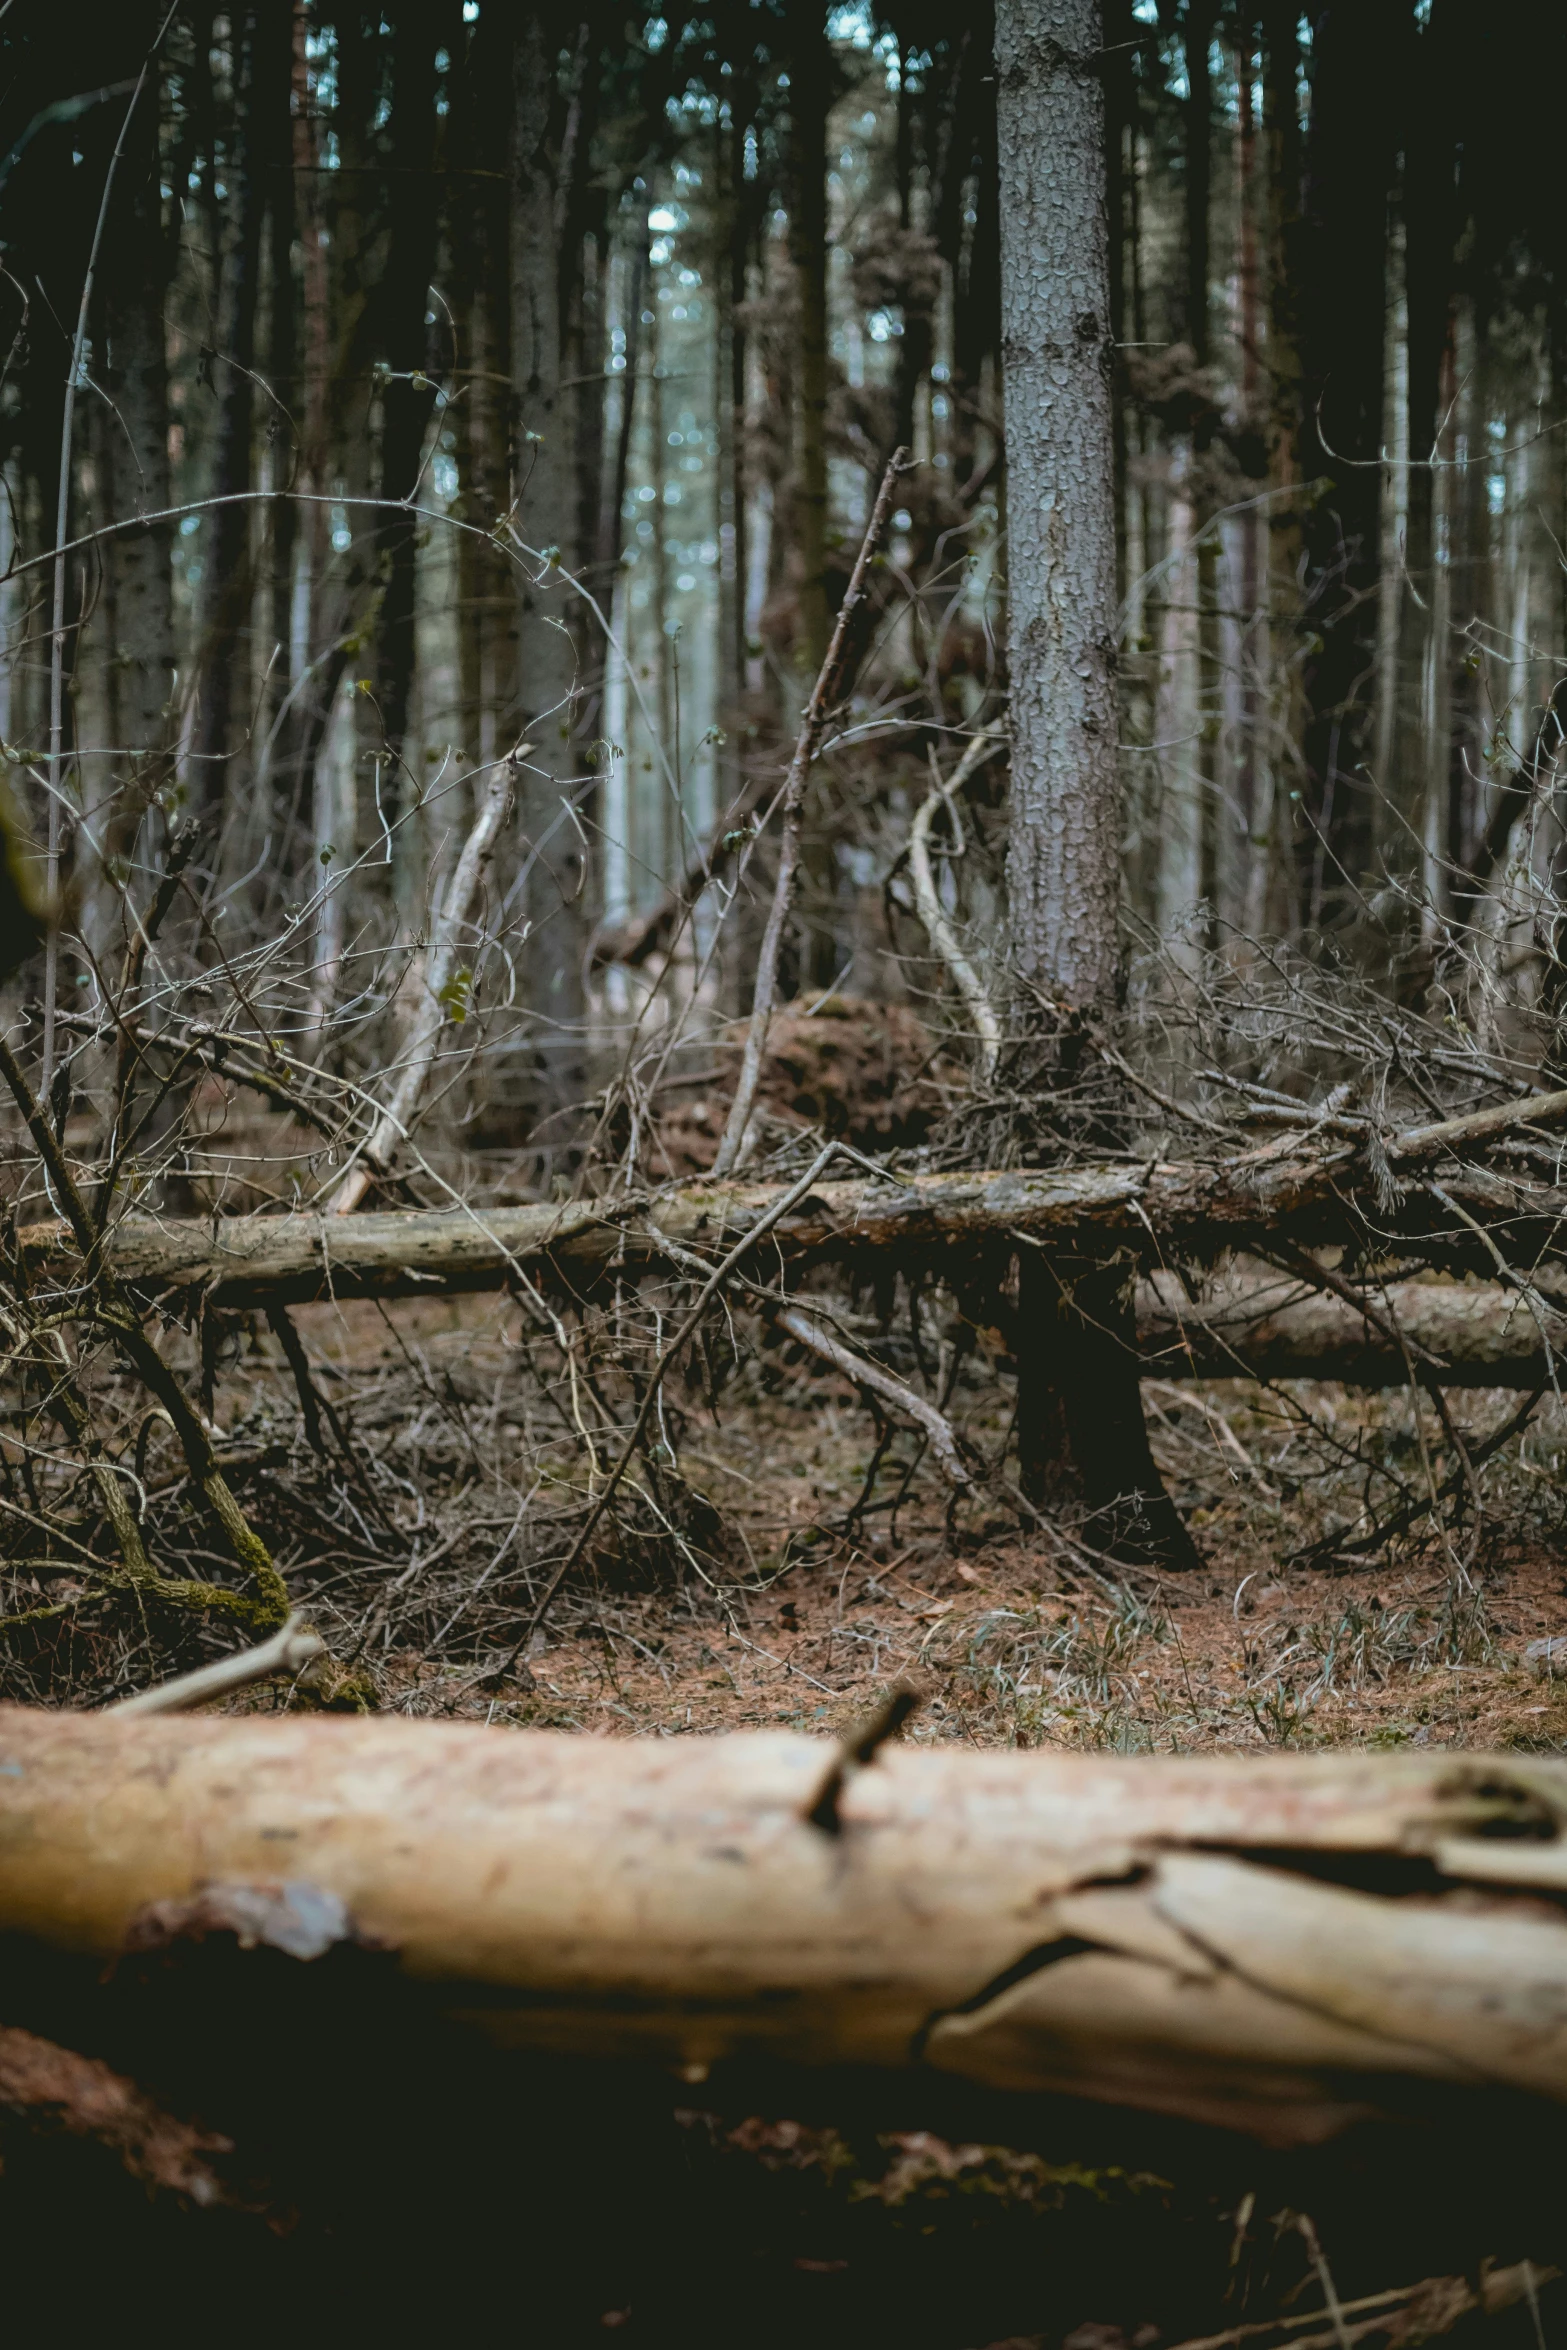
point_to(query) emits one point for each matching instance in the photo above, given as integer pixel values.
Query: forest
(783, 1080)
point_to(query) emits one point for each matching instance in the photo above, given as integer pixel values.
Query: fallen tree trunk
(1250, 1323)
(1282, 1944)
(1137, 1213)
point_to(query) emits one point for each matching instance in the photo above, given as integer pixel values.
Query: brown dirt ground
(813, 1623)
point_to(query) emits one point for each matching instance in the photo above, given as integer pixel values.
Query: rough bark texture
(1063, 865)
(946, 1223)
(1164, 1934)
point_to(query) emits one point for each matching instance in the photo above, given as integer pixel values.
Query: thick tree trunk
(1226, 1939)
(1064, 854)
(1064, 851)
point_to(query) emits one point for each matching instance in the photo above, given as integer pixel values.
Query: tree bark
(1220, 1938)
(1080, 1433)
(1064, 854)
(547, 520)
(407, 394)
(1134, 1215)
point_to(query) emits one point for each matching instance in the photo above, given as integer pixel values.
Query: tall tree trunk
(547, 519)
(407, 394)
(1361, 63)
(1200, 18)
(1081, 1440)
(1284, 149)
(138, 564)
(263, 66)
(1064, 856)
(810, 91)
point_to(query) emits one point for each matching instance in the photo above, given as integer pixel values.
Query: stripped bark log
(1229, 1939)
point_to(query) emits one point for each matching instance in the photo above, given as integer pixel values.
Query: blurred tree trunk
(138, 576)
(1083, 1449)
(263, 64)
(811, 70)
(1284, 164)
(1200, 20)
(1431, 220)
(546, 497)
(1361, 63)
(407, 399)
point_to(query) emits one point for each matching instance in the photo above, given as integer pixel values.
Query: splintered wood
(1281, 1944)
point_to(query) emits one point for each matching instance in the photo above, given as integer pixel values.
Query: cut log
(1282, 1944)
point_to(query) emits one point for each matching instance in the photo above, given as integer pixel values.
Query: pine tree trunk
(1082, 1446)
(407, 398)
(1064, 857)
(263, 41)
(547, 522)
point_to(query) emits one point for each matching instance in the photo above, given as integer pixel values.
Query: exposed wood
(1160, 1933)
(938, 929)
(288, 1651)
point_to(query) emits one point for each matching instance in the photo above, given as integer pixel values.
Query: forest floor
(1424, 1642)
(744, 2213)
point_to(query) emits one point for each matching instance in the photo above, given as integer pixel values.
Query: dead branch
(436, 995)
(828, 689)
(942, 936)
(883, 1384)
(288, 1651)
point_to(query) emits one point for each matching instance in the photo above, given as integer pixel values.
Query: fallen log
(1279, 1944)
(1136, 1212)
(1252, 1323)
(1247, 1322)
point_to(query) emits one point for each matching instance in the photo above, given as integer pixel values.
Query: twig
(854, 1753)
(828, 687)
(288, 1651)
(942, 936)
(119, 1317)
(881, 1383)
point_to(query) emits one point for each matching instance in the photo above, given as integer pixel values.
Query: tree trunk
(1225, 1939)
(1361, 63)
(546, 499)
(264, 63)
(1064, 853)
(138, 564)
(1063, 863)
(407, 398)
